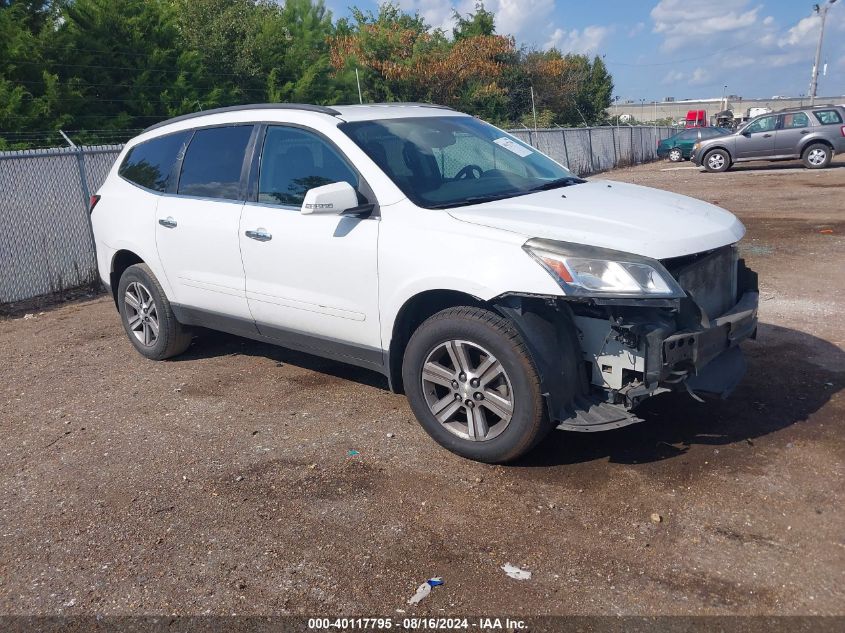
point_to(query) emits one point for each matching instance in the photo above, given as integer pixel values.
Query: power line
(143, 69)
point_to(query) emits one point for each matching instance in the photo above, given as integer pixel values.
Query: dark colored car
(813, 134)
(678, 147)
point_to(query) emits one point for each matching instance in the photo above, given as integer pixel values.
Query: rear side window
(797, 119)
(828, 117)
(213, 162)
(149, 164)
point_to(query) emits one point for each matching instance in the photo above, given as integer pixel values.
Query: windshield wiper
(473, 200)
(559, 182)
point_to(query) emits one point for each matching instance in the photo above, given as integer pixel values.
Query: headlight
(588, 271)
(696, 146)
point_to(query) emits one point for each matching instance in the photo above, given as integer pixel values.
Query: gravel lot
(222, 482)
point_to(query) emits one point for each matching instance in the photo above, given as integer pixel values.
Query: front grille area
(709, 278)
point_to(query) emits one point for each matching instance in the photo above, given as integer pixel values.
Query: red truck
(696, 118)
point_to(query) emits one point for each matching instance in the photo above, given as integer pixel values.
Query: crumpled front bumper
(709, 359)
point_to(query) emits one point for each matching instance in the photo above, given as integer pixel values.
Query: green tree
(481, 22)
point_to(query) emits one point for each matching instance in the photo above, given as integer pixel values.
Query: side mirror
(331, 199)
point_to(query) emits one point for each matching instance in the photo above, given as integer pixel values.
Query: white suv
(501, 293)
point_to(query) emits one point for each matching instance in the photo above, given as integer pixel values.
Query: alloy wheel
(141, 313)
(816, 156)
(467, 390)
(716, 161)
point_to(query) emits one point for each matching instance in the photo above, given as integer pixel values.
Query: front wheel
(817, 156)
(716, 161)
(675, 155)
(473, 386)
(147, 316)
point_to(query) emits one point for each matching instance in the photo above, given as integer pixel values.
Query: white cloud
(681, 21)
(635, 30)
(805, 32)
(527, 20)
(699, 76)
(734, 42)
(587, 41)
(673, 77)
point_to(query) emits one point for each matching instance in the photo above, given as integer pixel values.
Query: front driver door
(758, 139)
(311, 280)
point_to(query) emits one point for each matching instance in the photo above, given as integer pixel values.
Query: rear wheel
(675, 155)
(716, 161)
(817, 156)
(473, 386)
(148, 317)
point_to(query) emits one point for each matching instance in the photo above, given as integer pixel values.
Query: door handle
(766, 135)
(805, 131)
(260, 235)
(168, 222)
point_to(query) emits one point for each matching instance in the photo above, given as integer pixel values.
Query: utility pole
(534, 108)
(358, 79)
(814, 82)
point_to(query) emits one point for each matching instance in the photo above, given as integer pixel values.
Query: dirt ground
(226, 481)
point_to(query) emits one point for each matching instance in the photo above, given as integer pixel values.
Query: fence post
(86, 202)
(615, 156)
(642, 145)
(633, 156)
(565, 150)
(592, 158)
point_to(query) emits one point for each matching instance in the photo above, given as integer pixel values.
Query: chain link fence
(591, 150)
(46, 244)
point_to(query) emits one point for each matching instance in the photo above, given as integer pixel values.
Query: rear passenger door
(758, 139)
(311, 280)
(197, 224)
(791, 130)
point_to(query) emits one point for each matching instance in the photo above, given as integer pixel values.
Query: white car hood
(614, 215)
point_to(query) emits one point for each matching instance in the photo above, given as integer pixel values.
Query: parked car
(504, 295)
(679, 147)
(813, 134)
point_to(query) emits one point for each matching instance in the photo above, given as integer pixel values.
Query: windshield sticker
(513, 146)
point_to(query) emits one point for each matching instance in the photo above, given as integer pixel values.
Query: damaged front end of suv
(631, 327)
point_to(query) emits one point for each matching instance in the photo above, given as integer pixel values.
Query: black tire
(675, 155)
(711, 161)
(172, 338)
(478, 327)
(817, 156)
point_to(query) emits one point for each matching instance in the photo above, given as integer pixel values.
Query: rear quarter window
(149, 164)
(828, 117)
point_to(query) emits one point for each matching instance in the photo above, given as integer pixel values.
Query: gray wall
(678, 109)
(46, 243)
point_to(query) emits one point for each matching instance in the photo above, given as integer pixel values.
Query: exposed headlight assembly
(587, 271)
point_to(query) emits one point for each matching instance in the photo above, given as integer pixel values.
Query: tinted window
(710, 132)
(765, 124)
(796, 119)
(212, 165)
(149, 163)
(295, 160)
(828, 117)
(687, 135)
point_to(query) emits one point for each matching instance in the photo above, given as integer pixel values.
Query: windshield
(441, 162)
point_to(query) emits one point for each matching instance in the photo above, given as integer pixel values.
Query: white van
(504, 295)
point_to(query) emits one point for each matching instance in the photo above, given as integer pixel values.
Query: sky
(671, 48)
